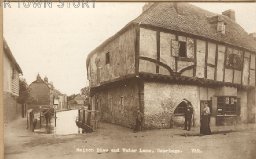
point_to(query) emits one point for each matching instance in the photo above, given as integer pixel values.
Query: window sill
(185, 59)
(226, 115)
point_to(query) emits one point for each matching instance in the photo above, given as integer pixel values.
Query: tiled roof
(188, 18)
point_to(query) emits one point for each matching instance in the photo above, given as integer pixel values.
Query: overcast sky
(55, 41)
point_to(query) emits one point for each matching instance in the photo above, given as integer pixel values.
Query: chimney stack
(230, 13)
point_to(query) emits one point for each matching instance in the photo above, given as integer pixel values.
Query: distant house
(11, 74)
(77, 102)
(79, 99)
(170, 52)
(44, 93)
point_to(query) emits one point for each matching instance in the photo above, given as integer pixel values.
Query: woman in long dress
(205, 121)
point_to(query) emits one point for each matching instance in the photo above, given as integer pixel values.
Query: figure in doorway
(139, 119)
(188, 115)
(205, 120)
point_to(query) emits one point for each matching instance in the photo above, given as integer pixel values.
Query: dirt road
(111, 141)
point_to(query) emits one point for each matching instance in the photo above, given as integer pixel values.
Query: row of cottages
(43, 93)
(172, 52)
(11, 74)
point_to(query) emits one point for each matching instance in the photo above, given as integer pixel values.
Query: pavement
(113, 141)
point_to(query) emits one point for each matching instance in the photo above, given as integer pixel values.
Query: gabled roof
(187, 18)
(49, 85)
(10, 56)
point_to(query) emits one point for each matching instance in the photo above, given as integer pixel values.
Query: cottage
(77, 102)
(11, 74)
(172, 52)
(44, 93)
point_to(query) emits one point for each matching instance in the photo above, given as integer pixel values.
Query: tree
(85, 91)
(24, 95)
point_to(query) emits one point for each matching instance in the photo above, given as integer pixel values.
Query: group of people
(204, 120)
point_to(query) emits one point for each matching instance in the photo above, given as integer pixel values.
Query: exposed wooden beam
(158, 49)
(137, 48)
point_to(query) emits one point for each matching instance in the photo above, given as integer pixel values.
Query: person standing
(205, 120)
(139, 118)
(188, 115)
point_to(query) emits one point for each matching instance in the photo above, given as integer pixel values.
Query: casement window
(228, 105)
(107, 58)
(122, 101)
(234, 59)
(183, 47)
(221, 27)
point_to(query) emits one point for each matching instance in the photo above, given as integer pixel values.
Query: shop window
(228, 105)
(180, 109)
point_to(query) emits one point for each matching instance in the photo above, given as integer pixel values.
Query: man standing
(139, 118)
(188, 115)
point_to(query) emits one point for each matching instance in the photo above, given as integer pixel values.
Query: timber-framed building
(172, 52)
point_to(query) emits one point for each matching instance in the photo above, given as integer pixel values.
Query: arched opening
(179, 113)
(180, 109)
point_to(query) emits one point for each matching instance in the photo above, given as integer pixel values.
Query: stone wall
(117, 104)
(251, 106)
(160, 101)
(243, 108)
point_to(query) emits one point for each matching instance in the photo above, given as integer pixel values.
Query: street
(112, 141)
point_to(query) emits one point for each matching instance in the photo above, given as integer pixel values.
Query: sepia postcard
(89, 79)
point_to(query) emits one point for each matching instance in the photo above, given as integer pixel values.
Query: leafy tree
(24, 95)
(85, 91)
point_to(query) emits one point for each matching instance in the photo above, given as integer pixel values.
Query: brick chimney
(146, 6)
(230, 13)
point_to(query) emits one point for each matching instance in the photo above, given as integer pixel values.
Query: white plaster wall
(201, 48)
(243, 101)
(7, 74)
(160, 101)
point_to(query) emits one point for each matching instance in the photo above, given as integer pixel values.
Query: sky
(55, 42)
